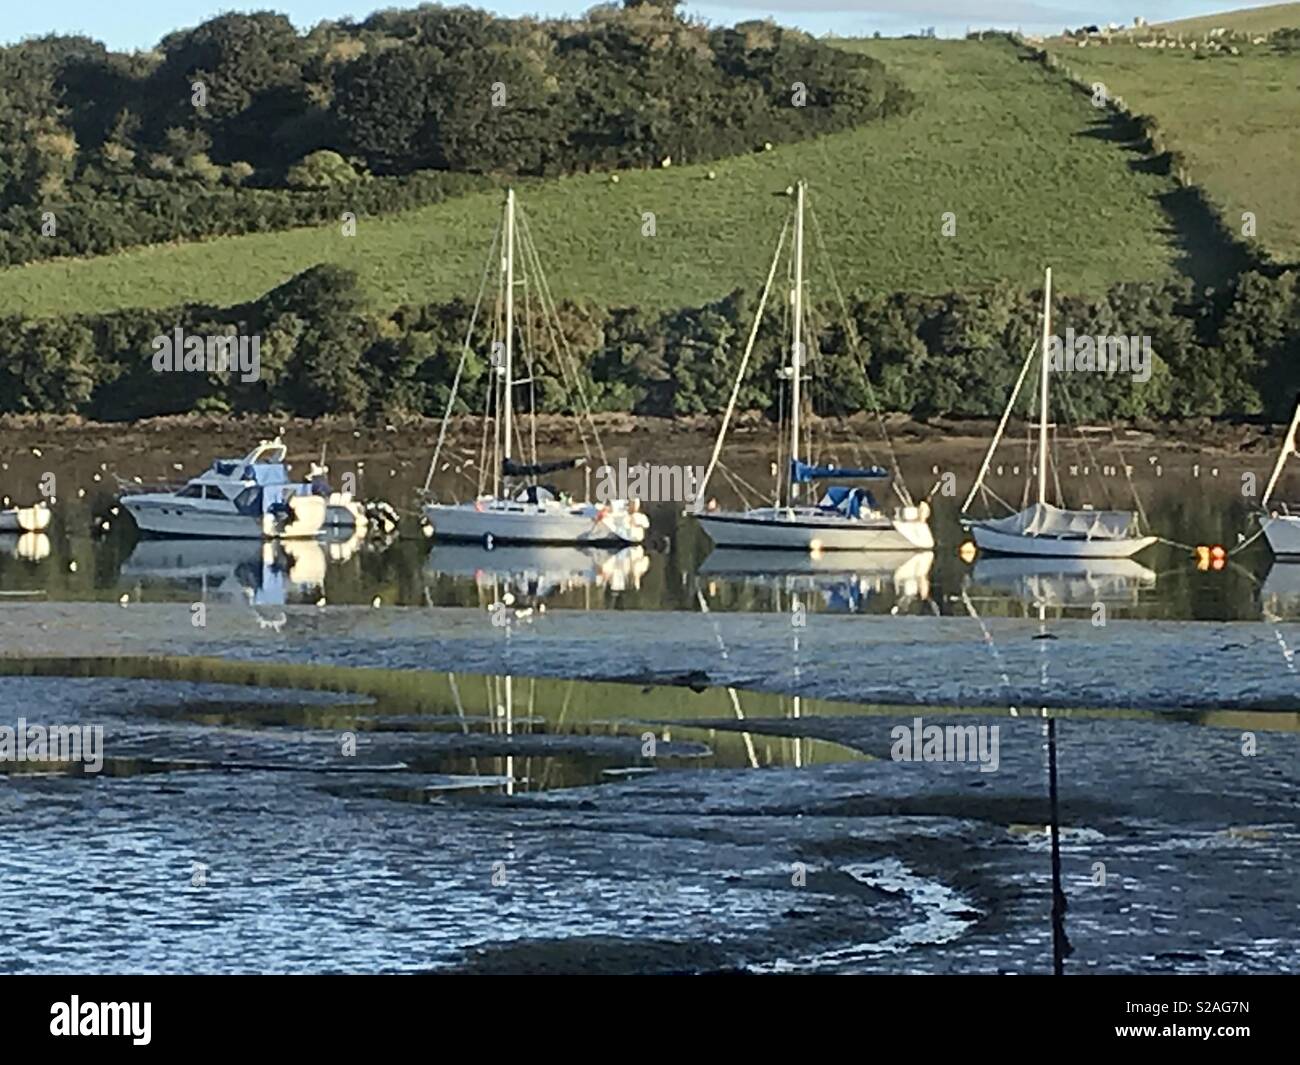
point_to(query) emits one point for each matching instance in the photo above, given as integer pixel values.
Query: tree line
(243, 123)
(1232, 352)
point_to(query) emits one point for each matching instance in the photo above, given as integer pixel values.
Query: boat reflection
(272, 573)
(1063, 582)
(846, 580)
(536, 573)
(1280, 594)
(28, 547)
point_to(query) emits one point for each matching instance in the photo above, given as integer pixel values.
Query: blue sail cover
(848, 501)
(801, 473)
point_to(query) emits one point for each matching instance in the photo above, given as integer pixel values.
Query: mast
(1042, 399)
(1288, 448)
(796, 343)
(510, 319)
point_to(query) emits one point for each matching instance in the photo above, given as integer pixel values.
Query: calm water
(312, 784)
(671, 571)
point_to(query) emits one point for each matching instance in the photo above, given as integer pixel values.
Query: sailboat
(525, 512)
(845, 518)
(1281, 527)
(1043, 528)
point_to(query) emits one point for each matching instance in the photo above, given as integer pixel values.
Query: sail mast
(510, 319)
(1042, 399)
(796, 343)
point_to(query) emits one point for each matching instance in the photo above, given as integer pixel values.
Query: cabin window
(191, 491)
(213, 493)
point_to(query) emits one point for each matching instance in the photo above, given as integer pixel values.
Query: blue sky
(140, 23)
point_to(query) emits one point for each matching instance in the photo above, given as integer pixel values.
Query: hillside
(1232, 116)
(1246, 20)
(1021, 159)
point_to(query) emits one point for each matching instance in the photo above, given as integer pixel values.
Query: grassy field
(1006, 146)
(1247, 20)
(1233, 117)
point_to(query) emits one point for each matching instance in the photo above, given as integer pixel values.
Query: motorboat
(248, 498)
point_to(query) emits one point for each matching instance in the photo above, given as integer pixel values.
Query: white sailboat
(528, 512)
(844, 518)
(1042, 528)
(248, 498)
(1281, 526)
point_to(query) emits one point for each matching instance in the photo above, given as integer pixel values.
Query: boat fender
(488, 542)
(923, 508)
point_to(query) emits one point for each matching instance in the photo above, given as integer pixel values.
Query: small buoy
(72, 566)
(36, 451)
(103, 526)
(81, 493)
(767, 146)
(321, 602)
(713, 176)
(613, 179)
(96, 478)
(178, 466)
(375, 602)
(124, 600)
(115, 511)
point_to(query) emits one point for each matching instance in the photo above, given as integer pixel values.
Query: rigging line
(898, 484)
(460, 366)
(727, 471)
(1072, 413)
(544, 288)
(568, 374)
(781, 466)
(1128, 476)
(1002, 425)
(856, 450)
(1056, 468)
(740, 374)
(735, 487)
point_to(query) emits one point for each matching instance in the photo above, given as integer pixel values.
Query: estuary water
(412, 756)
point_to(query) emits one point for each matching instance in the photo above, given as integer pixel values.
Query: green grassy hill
(1248, 20)
(1018, 156)
(1232, 117)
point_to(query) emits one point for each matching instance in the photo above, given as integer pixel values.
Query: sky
(140, 23)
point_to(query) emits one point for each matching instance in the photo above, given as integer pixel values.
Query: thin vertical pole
(796, 343)
(1060, 944)
(510, 320)
(1042, 400)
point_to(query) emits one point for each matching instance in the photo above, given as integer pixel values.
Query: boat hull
(770, 530)
(163, 515)
(529, 523)
(994, 542)
(25, 519)
(1282, 531)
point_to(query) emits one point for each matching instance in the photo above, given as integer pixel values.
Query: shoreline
(907, 434)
